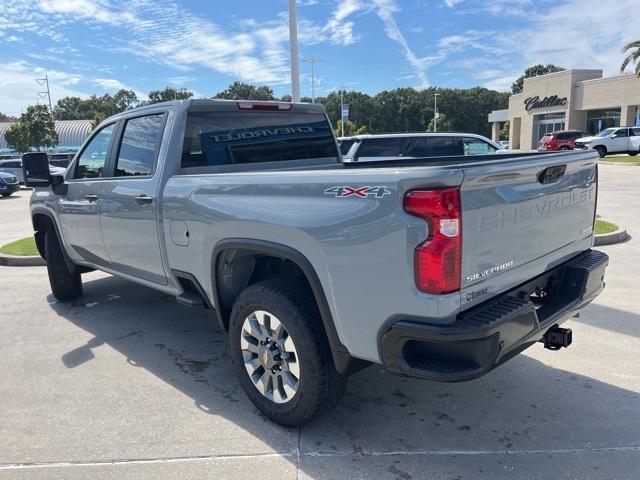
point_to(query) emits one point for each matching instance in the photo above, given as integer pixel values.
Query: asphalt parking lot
(125, 383)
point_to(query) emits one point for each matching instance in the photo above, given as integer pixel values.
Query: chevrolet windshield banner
(263, 134)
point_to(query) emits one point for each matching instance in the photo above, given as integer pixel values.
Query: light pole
(435, 112)
(313, 62)
(342, 110)
(295, 59)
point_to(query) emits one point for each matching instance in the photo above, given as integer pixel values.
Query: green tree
(34, 129)
(633, 57)
(169, 93)
(75, 108)
(534, 71)
(244, 91)
(350, 129)
(444, 124)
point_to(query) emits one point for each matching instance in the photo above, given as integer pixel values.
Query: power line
(44, 82)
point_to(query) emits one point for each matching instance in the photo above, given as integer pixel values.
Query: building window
(598, 120)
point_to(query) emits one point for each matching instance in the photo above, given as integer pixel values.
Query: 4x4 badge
(361, 192)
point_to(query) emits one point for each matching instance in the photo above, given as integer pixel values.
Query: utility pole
(342, 110)
(44, 82)
(313, 62)
(435, 112)
(295, 59)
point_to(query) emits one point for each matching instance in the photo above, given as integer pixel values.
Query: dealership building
(568, 100)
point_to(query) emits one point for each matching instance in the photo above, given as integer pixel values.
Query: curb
(618, 236)
(628, 164)
(16, 261)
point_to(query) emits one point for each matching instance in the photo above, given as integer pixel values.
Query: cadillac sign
(532, 103)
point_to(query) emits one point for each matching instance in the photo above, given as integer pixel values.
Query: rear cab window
(219, 138)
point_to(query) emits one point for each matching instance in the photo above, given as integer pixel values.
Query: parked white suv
(400, 146)
(613, 140)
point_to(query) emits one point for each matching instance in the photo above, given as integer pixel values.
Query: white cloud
(451, 3)
(385, 9)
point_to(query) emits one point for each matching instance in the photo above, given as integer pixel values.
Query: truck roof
(222, 105)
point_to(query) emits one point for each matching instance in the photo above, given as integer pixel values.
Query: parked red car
(561, 140)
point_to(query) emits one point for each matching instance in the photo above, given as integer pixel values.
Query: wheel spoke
(293, 366)
(247, 344)
(289, 384)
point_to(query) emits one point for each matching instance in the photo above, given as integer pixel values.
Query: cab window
(139, 147)
(383, 147)
(91, 162)
(623, 132)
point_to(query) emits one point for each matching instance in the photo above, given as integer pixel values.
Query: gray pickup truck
(439, 269)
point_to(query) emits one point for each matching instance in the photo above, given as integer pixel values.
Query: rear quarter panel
(361, 248)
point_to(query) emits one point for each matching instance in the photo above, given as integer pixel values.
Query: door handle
(143, 199)
(92, 198)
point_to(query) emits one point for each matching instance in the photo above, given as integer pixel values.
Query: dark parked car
(561, 140)
(8, 184)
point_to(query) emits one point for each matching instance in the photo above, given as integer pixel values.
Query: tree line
(399, 110)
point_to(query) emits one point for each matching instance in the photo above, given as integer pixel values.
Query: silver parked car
(12, 166)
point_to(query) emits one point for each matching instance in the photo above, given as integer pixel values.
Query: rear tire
(277, 316)
(633, 154)
(65, 284)
(602, 151)
(564, 148)
(6, 194)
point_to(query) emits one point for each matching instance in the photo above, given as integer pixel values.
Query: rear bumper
(490, 334)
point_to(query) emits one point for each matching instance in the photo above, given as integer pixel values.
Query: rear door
(524, 212)
(129, 201)
(634, 139)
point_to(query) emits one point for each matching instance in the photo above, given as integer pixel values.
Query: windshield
(606, 132)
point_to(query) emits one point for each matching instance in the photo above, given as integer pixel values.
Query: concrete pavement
(125, 383)
(14, 215)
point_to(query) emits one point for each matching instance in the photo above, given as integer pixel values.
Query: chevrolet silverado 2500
(440, 269)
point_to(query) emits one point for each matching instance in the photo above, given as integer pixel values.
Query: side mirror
(35, 167)
(614, 135)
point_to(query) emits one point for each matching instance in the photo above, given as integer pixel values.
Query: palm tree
(632, 57)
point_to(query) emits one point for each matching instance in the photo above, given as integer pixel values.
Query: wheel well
(41, 223)
(237, 268)
(241, 262)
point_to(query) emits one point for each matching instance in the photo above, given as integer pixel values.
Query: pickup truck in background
(440, 269)
(613, 140)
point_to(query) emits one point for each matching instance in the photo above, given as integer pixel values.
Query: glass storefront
(547, 123)
(598, 120)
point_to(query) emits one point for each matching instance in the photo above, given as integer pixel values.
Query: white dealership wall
(573, 93)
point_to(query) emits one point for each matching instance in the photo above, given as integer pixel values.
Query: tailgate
(522, 217)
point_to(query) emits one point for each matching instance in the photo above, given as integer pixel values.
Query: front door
(130, 201)
(621, 141)
(79, 209)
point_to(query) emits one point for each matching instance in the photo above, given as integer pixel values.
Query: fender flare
(343, 361)
(46, 213)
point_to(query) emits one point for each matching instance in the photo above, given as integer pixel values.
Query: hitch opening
(555, 338)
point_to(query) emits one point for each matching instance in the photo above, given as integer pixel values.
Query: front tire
(633, 154)
(6, 194)
(281, 354)
(65, 284)
(602, 151)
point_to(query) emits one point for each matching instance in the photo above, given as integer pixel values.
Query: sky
(99, 46)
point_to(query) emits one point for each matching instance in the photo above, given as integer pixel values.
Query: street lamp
(312, 61)
(295, 59)
(435, 112)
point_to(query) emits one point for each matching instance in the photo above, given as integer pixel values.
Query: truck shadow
(524, 405)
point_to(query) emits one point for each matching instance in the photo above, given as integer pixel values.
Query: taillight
(438, 260)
